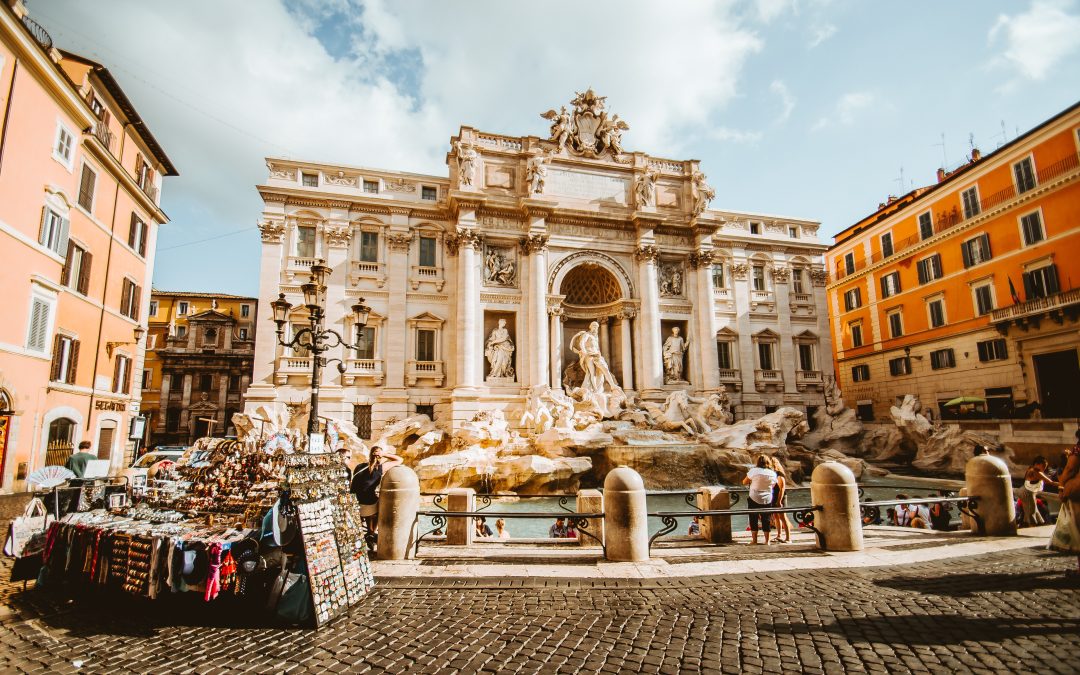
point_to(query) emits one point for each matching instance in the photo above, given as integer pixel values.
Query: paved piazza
(1011, 611)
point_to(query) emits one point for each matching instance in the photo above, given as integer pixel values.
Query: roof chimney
(941, 175)
(975, 155)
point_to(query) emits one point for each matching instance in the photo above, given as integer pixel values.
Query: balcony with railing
(425, 273)
(362, 269)
(765, 379)
(102, 133)
(40, 35)
(948, 219)
(418, 371)
(1053, 305)
(292, 366)
(363, 371)
(730, 376)
(807, 378)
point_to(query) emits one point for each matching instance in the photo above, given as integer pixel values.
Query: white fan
(50, 476)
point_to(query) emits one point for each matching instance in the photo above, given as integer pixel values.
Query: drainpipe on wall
(7, 112)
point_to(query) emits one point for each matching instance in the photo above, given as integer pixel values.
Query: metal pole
(316, 375)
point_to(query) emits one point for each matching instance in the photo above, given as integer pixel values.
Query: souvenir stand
(260, 521)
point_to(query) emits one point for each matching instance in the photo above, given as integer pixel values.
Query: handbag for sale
(35, 519)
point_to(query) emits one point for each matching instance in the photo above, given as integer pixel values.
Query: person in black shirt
(365, 484)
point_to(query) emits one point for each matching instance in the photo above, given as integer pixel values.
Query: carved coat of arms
(588, 130)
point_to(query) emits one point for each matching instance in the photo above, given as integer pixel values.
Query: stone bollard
(833, 487)
(591, 501)
(987, 477)
(715, 529)
(399, 500)
(459, 531)
(626, 523)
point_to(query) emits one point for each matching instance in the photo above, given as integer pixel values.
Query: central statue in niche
(598, 387)
(500, 352)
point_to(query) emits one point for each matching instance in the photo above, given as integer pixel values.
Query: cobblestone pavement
(1012, 611)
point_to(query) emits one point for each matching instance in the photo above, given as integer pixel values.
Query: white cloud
(787, 100)
(728, 135)
(820, 33)
(1038, 39)
(847, 109)
(767, 10)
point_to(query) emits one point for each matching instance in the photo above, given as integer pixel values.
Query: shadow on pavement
(963, 585)
(932, 630)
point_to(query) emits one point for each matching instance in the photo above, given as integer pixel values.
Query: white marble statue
(674, 349)
(598, 385)
(466, 155)
(675, 414)
(500, 352)
(702, 193)
(610, 133)
(645, 188)
(536, 173)
(562, 126)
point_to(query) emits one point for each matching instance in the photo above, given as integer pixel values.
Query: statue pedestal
(500, 381)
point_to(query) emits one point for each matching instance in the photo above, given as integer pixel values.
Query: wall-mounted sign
(112, 406)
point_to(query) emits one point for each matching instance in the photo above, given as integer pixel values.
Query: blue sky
(807, 108)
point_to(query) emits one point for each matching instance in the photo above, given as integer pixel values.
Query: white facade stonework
(548, 235)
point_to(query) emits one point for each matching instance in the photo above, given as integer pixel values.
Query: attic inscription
(587, 186)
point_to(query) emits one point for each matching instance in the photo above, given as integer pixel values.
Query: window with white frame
(365, 342)
(64, 146)
(852, 299)
(138, 231)
(369, 246)
(896, 323)
(797, 278)
(860, 373)
(1032, 228)
(245, 311)
(942, 358)
(182, 308)
(983, 298)
(153, 307)
(305, 241)
(992, 350)
(425, 344)
(65, 359)
(856, 334)
(40, 321)
(429, 193)
(427, 251)
(970, 200)
(181, 331)
(976, 250)
(121, 383)
(890, 284)
(1024, 174)
(718, 276)
(926, 225)
(76, 272)
(758, 277)
(900, 366)
(1040, 282)
(935, 310)
(54, 231)
(130, 297)
(930, 269)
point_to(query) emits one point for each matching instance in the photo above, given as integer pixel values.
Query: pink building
(80, 176)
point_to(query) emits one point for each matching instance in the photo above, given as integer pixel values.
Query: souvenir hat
(195, 572)
(246, 554)
(283, 523)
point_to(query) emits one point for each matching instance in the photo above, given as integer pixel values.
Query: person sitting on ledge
(500, 528)
(482, 529)
(911, 515)
(558, 530)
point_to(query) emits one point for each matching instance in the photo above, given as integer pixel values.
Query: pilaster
(535, 247)
(266, 347)
(704, 343)
(650, 365)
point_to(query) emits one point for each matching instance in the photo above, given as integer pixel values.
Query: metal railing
(439, 519)
(871, 511)
(439, 500)
(804, 515)
(40, 35)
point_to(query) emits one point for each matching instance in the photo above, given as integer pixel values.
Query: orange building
(79, 180)
(968, 288)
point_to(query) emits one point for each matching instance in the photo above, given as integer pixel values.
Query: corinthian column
(535, 247)
(650, 370)
(262, 387)
(470, 325)
(705, 318)
(556, 346)
(626, 352)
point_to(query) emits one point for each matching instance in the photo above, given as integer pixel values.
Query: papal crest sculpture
(587, 131)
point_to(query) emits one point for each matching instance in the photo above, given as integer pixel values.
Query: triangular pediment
(211, 315)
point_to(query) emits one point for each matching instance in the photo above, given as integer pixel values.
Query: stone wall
(1027, 438)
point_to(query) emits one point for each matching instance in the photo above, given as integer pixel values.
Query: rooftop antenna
(944, 157)
(900, 180)
(1003, 134)
(971, 140)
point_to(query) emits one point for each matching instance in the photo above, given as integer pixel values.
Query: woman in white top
(761, 480)
(500, 529)
(1035, 481)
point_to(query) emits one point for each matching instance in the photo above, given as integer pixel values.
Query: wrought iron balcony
(1033, 310)
(101, 131)
(40, 35)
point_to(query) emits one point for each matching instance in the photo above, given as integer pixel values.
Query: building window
(849, 263)
(234, 383)
(900, 366)
(429, 193)
(61, 441)
(137, 232)
(130, 294)
(993, 350)
(425, 344)
(930, 269)
(172, 420)
(38, 329)
(806, 356)
(942, 358)
(860, 373)
(369, 246)
(852, 299)
(896, 324)
(856, 334)
(759, 277)
(309, 179)
(890, 284)
(427, 251)
(181, 331)
(765, 355)
(755, 228)
(797, 280)
(182, 308)
(936, 309)
(86, 187)
(65, 360)
(305, 241)
(984, 299)
(243, 333)
(793, 232)
(206, 382)
(1041, 282)
(970, 199)
(361, 416)
(1031, 224)
(371, 186)
(723, 355)
(76, 272)
(245, 311)
(926, 225)
(147, 378)
(886, 245)
(153, 307)
(975, 251)
(121, 383)
(144, 174)
(1025, 175)
(428, 410)
(54, 231)
(365, 343)
(63, 150)
(718, 276)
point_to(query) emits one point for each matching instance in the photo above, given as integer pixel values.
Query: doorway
(1057, 374)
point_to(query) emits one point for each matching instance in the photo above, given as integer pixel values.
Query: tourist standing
(780, 520)
(1066, 537)
(365, 484)
(76, 464)
(500, 529)
(1035, 481)
(761, 480)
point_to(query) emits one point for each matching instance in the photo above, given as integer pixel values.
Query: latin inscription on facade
(589, 186)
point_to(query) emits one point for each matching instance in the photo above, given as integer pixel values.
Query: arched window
(5, 402)
(61, 441)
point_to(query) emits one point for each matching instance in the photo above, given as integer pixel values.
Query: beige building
(546, 235)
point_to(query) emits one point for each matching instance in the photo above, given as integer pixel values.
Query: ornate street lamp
(315, 338)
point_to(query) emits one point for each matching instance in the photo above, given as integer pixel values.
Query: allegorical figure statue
(598, 385)
(536, 170)
(702, 193)
(562, 126)
(674, 348)
(466, 162)
(645, 189)
(500, 352)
